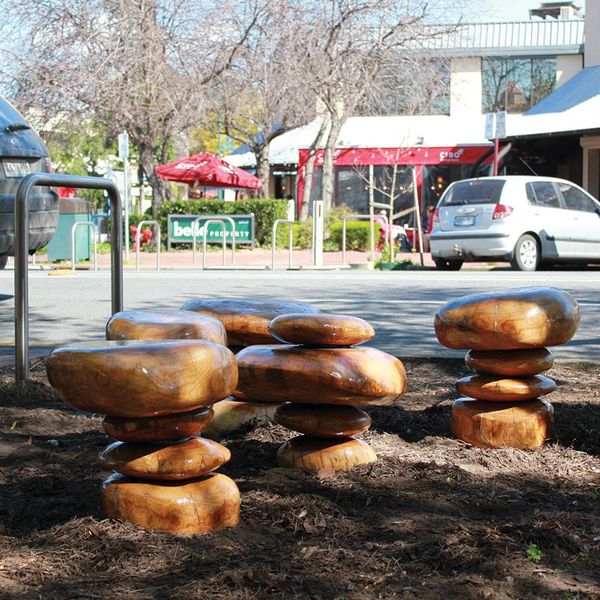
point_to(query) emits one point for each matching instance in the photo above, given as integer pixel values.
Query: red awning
(206, 169)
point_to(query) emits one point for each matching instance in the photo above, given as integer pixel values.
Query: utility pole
(124, 156)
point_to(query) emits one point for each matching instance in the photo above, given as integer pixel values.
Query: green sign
(182, 228)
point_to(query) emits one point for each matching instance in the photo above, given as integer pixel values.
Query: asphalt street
(400, 304)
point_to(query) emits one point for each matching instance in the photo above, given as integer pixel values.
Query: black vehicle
(22, 151)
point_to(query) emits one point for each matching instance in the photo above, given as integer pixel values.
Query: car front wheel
(445, 264)
(527, 254)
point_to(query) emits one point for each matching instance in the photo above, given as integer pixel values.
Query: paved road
(399, 304)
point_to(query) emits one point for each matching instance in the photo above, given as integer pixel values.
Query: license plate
(16, 168)
(464, 221)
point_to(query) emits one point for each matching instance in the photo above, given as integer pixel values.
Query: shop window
(516, 84)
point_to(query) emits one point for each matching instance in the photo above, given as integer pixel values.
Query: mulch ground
(432, 518)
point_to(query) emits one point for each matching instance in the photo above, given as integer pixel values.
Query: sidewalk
(248, 259)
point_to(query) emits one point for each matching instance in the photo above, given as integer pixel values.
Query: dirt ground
(432, 518)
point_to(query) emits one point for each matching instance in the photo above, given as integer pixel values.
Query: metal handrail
(274, 240)
(221, 220)
(370, 218)
(138, 233)
(94, 233)
(21, 254)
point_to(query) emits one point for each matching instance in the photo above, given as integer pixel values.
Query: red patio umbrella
(206, 169)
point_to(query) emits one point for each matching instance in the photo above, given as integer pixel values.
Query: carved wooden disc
(164, 427)
(196, 506)
(164, 324)
(362, 376)
(172, 461)
(512, 363)
(141, 378)
(323, 420)
(511, 425)
(496, 389)
(321, 329)
(247, 321)
(314, 454)
(531, 317)
(231, 416)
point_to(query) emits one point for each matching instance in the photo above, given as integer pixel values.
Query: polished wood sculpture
(232, 415)
(499, 389)
(512, 363)
(152, 429)
(360, 376)
(507, 333)
(192, 506)
(321, 383)
(529, 317)
(513, 424)
(324, 420)
(247, 321)
(147, 378)
(321, 329)
(314, 454)
(164, 324)
(170, 461)
(154, 394)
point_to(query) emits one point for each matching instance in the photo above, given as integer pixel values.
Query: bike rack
(361, 218)
(94, 233)
(138, 233)
(21, 254)
(274, 240)
(221, 221)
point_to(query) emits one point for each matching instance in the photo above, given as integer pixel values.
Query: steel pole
(21, 251)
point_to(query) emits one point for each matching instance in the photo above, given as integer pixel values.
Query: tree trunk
(309, 169)
(327, 182)
(263, 171)
(161, 189)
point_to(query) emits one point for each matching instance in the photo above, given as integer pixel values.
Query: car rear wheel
(445, 264)
(527, 254)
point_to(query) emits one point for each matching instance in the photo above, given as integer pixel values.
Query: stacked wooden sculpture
(246, 322)
(506, 334)
(157, 397)
(324, 380)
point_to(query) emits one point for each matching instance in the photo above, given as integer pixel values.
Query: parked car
(528, 221)
(22, 151)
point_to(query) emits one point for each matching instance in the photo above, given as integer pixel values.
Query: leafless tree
(355, 51)
(261, 96)
(137, 65)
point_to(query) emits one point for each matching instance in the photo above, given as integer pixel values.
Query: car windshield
(476, 191)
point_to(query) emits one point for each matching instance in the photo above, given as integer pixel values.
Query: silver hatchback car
(527, 220)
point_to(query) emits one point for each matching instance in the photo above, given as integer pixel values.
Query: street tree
(137, 65)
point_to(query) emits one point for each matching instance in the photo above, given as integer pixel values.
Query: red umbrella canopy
(207, 169)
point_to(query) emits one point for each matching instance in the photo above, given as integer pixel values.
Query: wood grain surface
(321, 329)
(313, 454)
(511, 425)
(503, 389)
(141, 378)
(360, 376)
(164, 324)
(164, 427)
(170, 460)
(323, 420)
(512, 363)
(247, 321)
(531, 317)
(197, 506)
(231, 415)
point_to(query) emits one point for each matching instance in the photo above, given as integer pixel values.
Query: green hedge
(266, 211)
(358, 235)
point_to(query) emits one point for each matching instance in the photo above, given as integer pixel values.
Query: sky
(503, 10)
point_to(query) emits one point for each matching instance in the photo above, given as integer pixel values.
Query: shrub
(358, 235)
